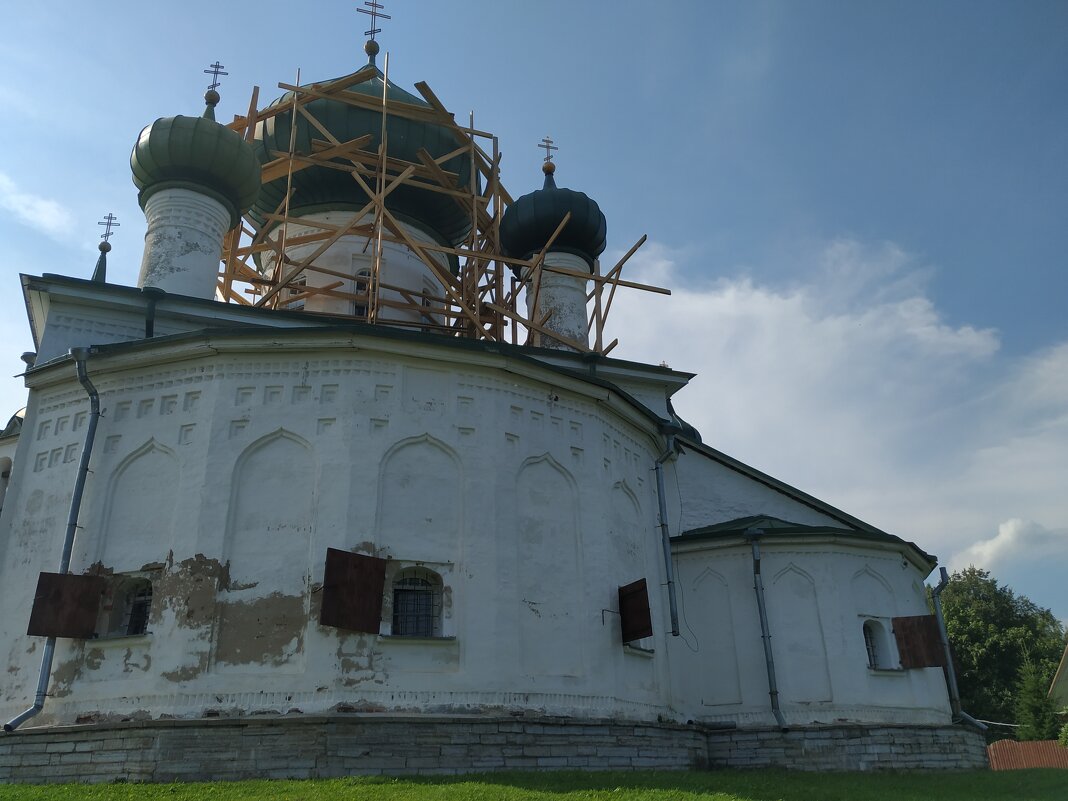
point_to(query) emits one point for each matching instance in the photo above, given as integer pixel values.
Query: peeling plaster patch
(189, 590)
(94, 659)
(188, 672)
(356, 658)
(268, 630)
(68, 672)
(129, 664)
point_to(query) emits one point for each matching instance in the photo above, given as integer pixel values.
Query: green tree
(993, 631)
(1036, 714)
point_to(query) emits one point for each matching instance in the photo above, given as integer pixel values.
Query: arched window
(877, 646)
(417, 603)
(870, 645)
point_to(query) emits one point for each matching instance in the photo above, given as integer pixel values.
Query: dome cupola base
(183, 242)
(564, 296)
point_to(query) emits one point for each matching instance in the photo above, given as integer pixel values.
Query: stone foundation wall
(850, 748)
(320, 747)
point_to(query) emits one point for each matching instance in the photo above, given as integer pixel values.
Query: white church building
(350, 482)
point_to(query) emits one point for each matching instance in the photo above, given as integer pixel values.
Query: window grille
(417, 604)
(126, 608)
(870, 646)
(138, 605)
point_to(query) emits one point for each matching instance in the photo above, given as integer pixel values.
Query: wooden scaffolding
(481, 300)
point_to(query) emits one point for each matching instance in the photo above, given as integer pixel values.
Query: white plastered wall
(181, 450)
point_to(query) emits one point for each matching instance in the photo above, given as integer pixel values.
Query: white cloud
(47, 216)
(853, 387)
(1016, 540)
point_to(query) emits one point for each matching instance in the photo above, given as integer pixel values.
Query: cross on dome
(109, 222)
(374, 11)
(547, 143)
(215, 70)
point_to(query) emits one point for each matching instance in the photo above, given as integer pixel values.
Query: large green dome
(531, 220)
(319, 189)
(199, 154)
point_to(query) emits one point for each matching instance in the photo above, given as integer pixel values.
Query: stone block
(552, 762)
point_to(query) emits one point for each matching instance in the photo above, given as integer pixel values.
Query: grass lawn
(1024, 785)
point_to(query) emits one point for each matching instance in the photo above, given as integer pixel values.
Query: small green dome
(199, 154)
(319, 189)
(531, 220)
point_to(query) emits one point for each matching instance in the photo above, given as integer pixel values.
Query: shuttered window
(919, 644)
(634, 616)
(66, 606)
(352, 591)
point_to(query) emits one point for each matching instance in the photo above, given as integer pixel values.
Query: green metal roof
(776, 527)
(199, 154)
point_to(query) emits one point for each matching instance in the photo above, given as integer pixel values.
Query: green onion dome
(199, 154)
(321, 189)
(531, 219)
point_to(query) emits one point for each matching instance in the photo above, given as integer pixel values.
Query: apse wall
(223, 479)
(819, 594)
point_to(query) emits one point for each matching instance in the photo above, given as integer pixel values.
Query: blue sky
(861, 208)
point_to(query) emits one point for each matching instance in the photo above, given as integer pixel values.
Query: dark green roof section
(320, 189)
(531, 220)
(769, 526)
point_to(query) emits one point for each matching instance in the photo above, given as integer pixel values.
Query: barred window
(877, 646)
(870, 646)
(126, 607)
(417, 603)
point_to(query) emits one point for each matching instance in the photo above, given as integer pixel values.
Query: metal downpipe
(765, 633)
(79, 355)
(665, 535)
(951, 674)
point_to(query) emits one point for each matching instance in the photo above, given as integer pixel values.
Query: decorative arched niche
(549, 574)
(140, 508)
(708, 618)
(872, 594)
(625, 529)
(272, 513)
(797, 637)
(420, 501)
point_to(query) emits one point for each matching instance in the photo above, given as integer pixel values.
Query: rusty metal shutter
(634, 614)
(66, 605)
(918, 642)
(352, 591)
